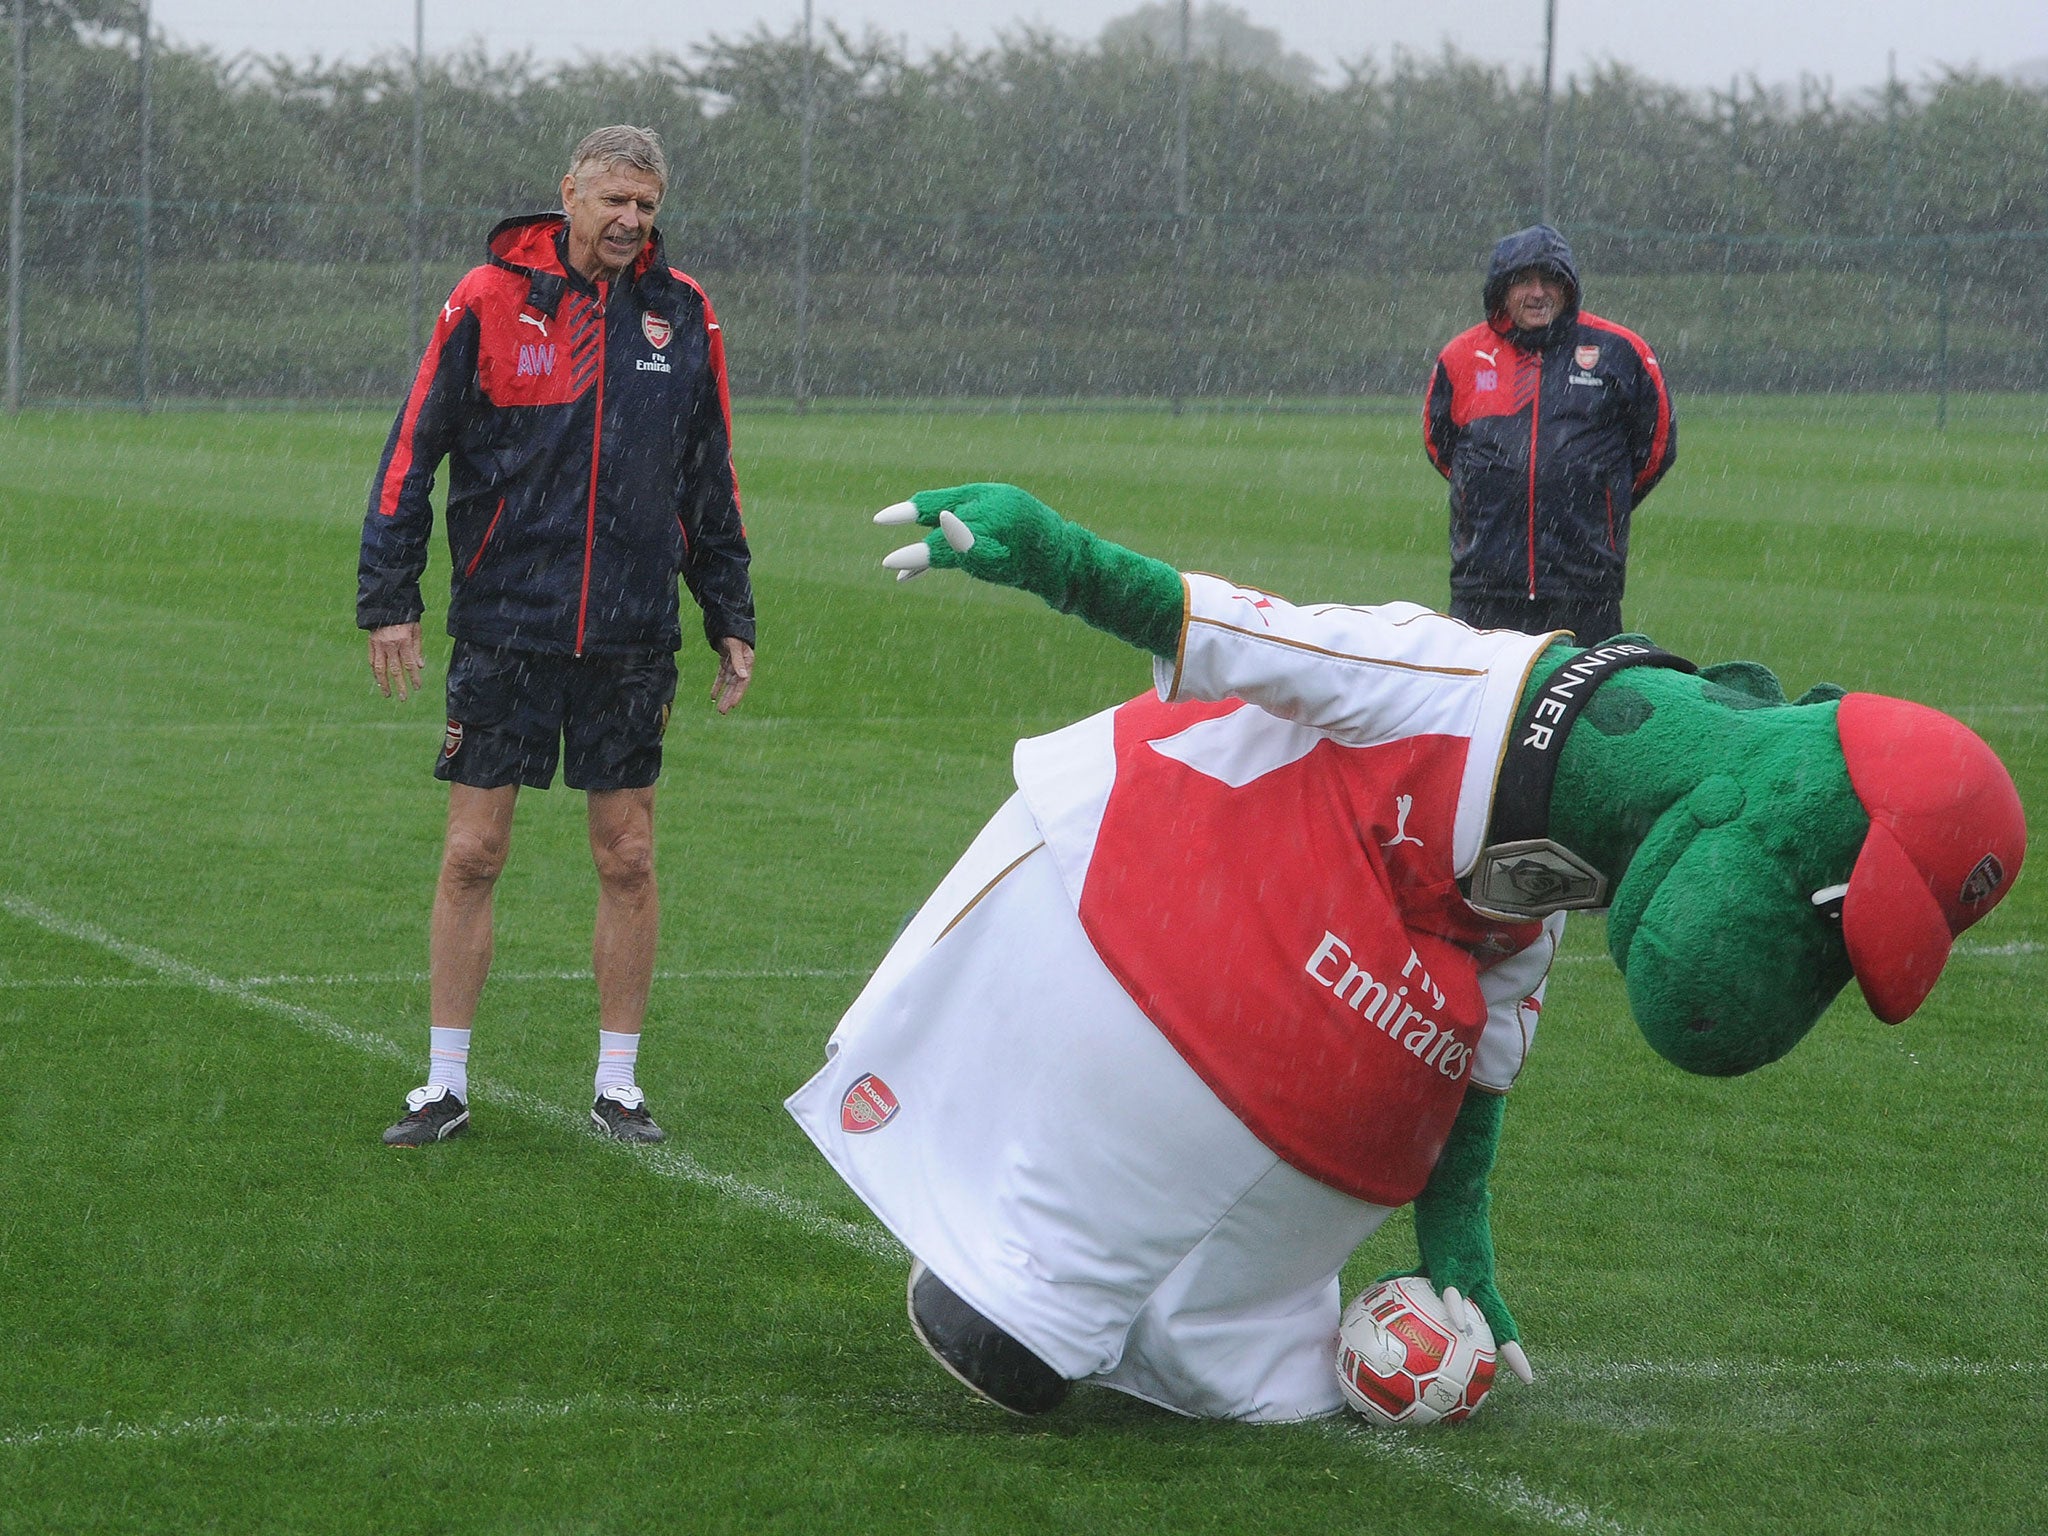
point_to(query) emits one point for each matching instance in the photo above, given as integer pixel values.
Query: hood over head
(1537, 246)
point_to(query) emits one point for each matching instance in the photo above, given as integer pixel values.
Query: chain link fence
(305, 302)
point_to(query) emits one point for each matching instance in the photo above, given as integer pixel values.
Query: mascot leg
(1068, 1183)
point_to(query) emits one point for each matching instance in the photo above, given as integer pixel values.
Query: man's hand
(395, 658)
(735, 671)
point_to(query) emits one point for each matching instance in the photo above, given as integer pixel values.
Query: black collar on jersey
(1523, 872)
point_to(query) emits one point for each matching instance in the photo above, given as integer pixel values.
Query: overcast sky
(1702, 43)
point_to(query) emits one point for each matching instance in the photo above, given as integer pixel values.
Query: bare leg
(479, 837)
(628, 911)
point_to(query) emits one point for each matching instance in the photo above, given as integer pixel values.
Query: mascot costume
(1249, 961)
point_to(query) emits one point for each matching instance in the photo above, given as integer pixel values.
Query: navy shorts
(509, 713)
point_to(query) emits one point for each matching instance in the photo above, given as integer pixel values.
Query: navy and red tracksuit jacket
(1549, 440)
(588, 432)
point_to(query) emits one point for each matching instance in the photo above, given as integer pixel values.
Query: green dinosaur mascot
(1249, 961)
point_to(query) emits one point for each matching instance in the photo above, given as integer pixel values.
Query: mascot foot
(978, 1354)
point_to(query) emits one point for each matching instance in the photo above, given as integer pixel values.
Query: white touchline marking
(82, 983)
(2012, 950)
(669, 1161)
(1499, 1490)
(515, 1409)
(388, 978)
(394, 978)
(2015, 950)
(1393, 1446)
(1608, 1371)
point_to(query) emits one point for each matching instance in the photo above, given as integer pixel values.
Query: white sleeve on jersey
(1513, 990)
(1361, 675)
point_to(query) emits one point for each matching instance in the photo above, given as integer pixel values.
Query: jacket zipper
(1610, 517)
(1535, 421)
(590, 506)
(477, 558)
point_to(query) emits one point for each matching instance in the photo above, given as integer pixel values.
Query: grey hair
(622, 144)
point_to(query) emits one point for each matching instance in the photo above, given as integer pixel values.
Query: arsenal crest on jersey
(1586, 357)
(656, 329)
(868, 1106)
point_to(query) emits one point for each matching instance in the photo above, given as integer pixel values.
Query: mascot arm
(1451, 1226)
(1001, 534)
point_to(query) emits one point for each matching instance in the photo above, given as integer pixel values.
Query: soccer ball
(1401, 1361)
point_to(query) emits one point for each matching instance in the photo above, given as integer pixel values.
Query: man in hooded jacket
(1551, 424)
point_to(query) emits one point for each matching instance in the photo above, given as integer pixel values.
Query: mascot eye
(1828, 901)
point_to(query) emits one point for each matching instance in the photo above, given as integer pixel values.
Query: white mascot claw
(1512, 1355)
(1459, 1309)
(957, 533)
(915, 559)
(911, 560)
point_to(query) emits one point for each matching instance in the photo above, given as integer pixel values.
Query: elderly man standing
(576, 384)
(1551, 425)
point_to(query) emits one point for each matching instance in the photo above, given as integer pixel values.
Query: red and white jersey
(1266, 854)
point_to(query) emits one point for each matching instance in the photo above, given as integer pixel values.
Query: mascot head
(1844, 835)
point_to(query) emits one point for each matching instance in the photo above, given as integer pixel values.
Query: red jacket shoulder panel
(1640, 346)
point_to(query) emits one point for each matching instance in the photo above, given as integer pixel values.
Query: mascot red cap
(1945, 843)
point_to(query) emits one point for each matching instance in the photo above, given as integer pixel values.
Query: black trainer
(978, 1354)
(621, 1113)
(433, 1113)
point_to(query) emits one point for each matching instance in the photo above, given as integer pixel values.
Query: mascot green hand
(1754, 853)
(1004, 535)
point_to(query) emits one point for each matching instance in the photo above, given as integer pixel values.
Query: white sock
(616, 1055)
(448, 1060)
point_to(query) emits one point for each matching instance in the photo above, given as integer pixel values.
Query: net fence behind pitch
(311, 302)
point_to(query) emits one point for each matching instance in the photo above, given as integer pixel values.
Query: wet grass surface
(1803, 1301)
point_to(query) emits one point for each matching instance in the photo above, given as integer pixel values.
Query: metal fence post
(416, 309)
(1728, 217)
(142, 234)
(1396, 245)
(1549, 62)
(1941, 346)
(1180, 215)
(14, 210)
(801, 389)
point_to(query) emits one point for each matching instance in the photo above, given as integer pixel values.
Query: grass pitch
(1805, 1301)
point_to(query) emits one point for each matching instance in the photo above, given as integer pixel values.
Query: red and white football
(1401, 1361)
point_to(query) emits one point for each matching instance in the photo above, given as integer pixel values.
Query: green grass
(1805, 1301)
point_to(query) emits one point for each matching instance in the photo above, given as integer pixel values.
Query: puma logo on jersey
(449, 311)
(535, 320)
(1403, 804)
(1487, 357)
(1259, 605)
